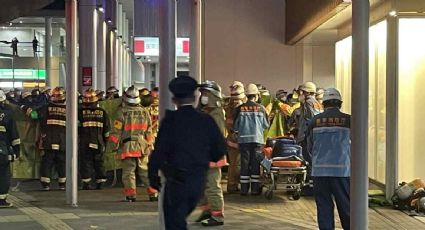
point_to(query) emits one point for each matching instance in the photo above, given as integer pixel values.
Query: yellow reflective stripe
(93, 146)
(55, 147)
(2, 129)
(93, 124)
(55, 122)
(16, 142)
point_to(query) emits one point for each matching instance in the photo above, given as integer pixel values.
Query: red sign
(186, 47)
(87, 73)
(139, 46)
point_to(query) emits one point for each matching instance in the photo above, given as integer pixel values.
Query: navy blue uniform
(328, 140)
(187, 141)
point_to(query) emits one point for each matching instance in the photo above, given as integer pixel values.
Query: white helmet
(2, 96)
(237, 90)
(332, 94)
(131, 95)
(309, 87)
(252, 89)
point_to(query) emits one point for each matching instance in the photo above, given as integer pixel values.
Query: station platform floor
(34, 209)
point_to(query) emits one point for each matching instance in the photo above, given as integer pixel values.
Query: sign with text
(87, 76)
(149, 46)
(23, 74)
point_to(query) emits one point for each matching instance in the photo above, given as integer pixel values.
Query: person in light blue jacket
(328, 141)
(250, 123)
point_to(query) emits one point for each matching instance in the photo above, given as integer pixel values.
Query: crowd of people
(230, 130)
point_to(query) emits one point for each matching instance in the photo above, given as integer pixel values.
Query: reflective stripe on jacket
(329, 142)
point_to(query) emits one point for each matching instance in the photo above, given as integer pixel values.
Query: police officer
(131, 133)
(93, 132)
(251, 121)
(187, 141)
(237, 98)
(9, 148)
(329, 142)
(308, 109)
(52, 118)
(213, 203)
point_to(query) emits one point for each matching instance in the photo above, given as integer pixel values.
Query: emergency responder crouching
(9, 148)
(93, 132)
(187, 141)
(237, 98)
(52, 118)
(328, 140)
(131, 132)
(308, 109)
(251, 121)
(212, 203)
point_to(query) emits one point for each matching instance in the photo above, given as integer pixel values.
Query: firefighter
(250, 123)
(328, 139)
(213, 203)
(154, 110)
(237, 98)
(9, 148)
(93, 132)
(308, 109)
(131, 132)
(112, 93)
(146, 98)
(100, 94)
(52, 119)
(187, 141)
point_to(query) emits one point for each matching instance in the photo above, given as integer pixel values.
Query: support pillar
(359, 120)
(87, 40)
(101, 50)
(71, 104)
(196, 41)
(167, 52)
(391, 161)
(48, 50)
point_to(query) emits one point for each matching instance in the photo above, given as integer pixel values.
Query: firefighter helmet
(144, 92)
(252, 89)
(90, 96)
(132, 95)
(112, 92)
(332, 94)
(58, 94)
(212, 87)
(237, 90)
(308, 87)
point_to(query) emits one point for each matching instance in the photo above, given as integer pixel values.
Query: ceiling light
(20, 21)
(109, 20)
(101, 9)
(149, 60)
(10, 23)
(393, 13)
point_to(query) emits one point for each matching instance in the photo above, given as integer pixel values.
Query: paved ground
(104, 210)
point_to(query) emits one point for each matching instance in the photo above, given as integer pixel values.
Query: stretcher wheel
(269, 194)
(296, 195)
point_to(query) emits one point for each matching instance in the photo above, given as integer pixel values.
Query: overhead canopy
(10, 10)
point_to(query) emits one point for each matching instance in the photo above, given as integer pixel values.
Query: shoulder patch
(118, 124)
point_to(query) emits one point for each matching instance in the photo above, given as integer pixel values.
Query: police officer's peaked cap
(183, 87)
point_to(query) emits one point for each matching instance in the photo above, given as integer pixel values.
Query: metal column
(391, 161)
(359, 120)
(101, 50)
(196, 41)
(71, 104)
(167, 52)
(48, 49)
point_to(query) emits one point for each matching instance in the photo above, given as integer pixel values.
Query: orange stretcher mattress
(289, 164)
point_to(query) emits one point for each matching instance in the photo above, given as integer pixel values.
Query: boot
(205, 215)
(153, 197)
(99, 186)
(5, 204)
(62, 186)
(45, 186)
(213, 221)
(86, 186)
(130, 199)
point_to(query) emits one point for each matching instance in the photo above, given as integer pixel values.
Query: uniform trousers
(213, 200)
(48, 160)
(233, 171)
(91, 162)
(4, 176)
(325, 190)
(129, 167)
(250, 167)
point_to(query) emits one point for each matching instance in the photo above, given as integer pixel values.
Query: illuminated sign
(149, 46)
(23, 74)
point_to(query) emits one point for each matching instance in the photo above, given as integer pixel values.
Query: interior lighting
(393, 13)
(109, 20)
(20, 21)
(100, 8)
(10, 23)
(149, 60)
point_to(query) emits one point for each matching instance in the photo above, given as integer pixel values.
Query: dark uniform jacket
(94, 127)
(187, 141)
(8, 135)
(52, 119)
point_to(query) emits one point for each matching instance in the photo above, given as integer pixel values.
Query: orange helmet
(90, 96)
(58, 94)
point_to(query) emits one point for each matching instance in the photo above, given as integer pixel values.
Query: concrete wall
(245, 42)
